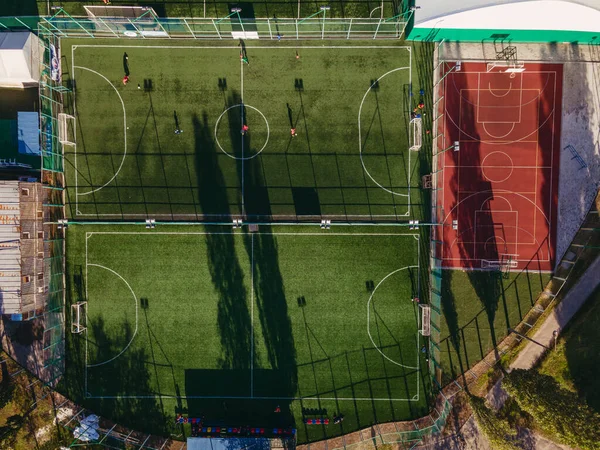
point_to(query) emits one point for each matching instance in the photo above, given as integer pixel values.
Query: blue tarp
(28, 133)
(198, 443)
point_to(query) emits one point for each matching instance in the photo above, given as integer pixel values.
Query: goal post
(416, 132)
(425, 320)
(66, 129)
(78, 317)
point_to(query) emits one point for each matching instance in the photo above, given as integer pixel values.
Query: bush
(494, 428)
(556, 411)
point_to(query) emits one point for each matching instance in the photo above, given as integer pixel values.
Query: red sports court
(499, 166)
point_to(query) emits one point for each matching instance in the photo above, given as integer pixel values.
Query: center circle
(242, 135)
(497, 167)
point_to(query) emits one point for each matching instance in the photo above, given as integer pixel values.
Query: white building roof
(580, 15)
(19, 59)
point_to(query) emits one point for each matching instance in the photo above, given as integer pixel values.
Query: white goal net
(66, 129)
(78, 317)
(425, 320)
(416, 133)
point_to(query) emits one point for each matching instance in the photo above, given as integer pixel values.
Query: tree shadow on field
(232, 377)
(126, 376)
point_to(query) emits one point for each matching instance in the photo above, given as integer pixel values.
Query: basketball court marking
(417, 369)
(551, 80)
(408, 169)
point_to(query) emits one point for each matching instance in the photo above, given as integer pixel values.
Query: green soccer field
(230, 324)
(350, 107)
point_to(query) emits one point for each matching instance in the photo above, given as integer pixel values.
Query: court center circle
(497, 166)
(241, 105)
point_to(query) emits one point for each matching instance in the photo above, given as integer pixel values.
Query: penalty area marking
(136, 314)
(77, 193)
(360, 146)
(369, 320)
(241, 105)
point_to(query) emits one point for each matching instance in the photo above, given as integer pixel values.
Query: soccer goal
(512, 67)
(78, 317)
(66, 129)
(130, 21)
(425, 320)
(416, 131)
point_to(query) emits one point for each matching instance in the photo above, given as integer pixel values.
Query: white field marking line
(493, 135)
(365, 399)
(87, 235)
(475, 242)
(75, 114)
(525, 89)
(416, 397)
(344, 216)
(477, 227)
(252, 317)
(155, 233)
(369, 319)
(451, 119)
(551, 163)
(409, 175)
(136, 315)
(242, 134)
(502, 95)
(497, 191)
(497, 142)
(497, 167)
(237, 46)
(360, 133)
(124, 131)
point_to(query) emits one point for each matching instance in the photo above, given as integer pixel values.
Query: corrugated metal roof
(10, 248)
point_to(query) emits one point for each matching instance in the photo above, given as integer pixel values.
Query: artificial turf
(349, 160)
(238, 323)
(478, 309)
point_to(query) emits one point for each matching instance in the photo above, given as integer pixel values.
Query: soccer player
(125, 80)
(244, 129)
(293, 132)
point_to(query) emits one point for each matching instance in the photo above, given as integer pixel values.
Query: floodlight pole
(324, 9)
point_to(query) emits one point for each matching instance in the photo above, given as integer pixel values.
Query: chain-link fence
(152, 27)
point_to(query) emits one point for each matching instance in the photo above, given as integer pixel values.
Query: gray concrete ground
(558, 319)
(577, 187)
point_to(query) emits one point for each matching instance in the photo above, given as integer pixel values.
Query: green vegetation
(574, 364)
(556, 411)
(495, 429)
(26, 413)
(479, 307)
(233, 324)
(211, 170)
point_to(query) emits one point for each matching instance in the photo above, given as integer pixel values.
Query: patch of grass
(234, 324)
(574, 364)
(475, 321)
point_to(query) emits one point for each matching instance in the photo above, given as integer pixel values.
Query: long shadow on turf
(128, 375)
(281, 379)
(230, 384)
